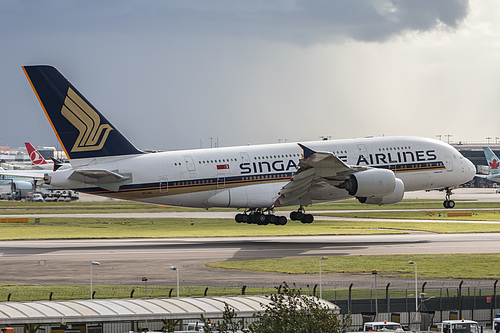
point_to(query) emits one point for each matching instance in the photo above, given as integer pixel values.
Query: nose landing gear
(448, 203)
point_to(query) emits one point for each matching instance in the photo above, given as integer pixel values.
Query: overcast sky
(168, 74)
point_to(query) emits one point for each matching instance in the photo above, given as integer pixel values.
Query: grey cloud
(306, 21)
(299, 21)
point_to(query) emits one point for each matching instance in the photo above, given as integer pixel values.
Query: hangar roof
(108, 310)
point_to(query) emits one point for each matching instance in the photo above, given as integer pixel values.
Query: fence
(468, 299)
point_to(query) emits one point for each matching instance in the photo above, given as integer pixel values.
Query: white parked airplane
(493, 165)
(39, 162)
(255, 178)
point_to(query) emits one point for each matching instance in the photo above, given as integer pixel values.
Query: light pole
(177, 270)
(320, 290)
(374, 272)
(145, 280)
(416, 291)
(92, 263)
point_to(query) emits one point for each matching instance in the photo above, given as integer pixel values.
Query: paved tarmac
(127, 261)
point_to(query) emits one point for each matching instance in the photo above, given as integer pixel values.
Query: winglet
(307, 152)
(57, 163)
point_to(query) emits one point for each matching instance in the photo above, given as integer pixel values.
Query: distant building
(474, 152)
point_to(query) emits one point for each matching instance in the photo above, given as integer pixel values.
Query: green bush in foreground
(289, 311)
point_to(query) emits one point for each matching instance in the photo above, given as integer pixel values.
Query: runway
(127, 261)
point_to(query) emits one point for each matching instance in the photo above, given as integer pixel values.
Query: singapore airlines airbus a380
(255, 178)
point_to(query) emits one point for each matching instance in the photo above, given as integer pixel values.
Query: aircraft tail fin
(493, 161)
(35, 156)
(81, 129)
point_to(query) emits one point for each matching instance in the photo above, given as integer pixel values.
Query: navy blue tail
(82, 130)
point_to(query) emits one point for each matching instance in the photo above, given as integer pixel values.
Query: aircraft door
(189, 163)
(221, 181)
(448, 162)
(362, 152)
(244, 158)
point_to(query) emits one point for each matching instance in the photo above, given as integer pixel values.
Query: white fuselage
(252, 176)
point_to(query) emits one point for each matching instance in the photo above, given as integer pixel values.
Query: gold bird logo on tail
(93, 134)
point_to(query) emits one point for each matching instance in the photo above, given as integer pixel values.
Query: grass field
(92, 228)
(434, 266)
(60, 292)
(83, 228)
(43, 292)
(438, 215)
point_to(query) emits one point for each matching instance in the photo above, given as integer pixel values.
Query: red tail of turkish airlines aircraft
(35, 157)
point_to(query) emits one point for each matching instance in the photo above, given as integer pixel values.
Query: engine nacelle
(18, 185)
(371, 183)
(395, 197)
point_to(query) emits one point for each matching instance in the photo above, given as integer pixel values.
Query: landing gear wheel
(271, 219)
(296, 216)
(281, 220)
(307, 218)
(259, 218)
(449, 204)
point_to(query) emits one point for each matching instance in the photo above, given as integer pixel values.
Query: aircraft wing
(105, 179)
(33, 174)
(319, 175)
(494, 178)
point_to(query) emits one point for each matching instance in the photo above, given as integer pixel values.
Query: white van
(459, 326)
(196, 327)
(382, 326)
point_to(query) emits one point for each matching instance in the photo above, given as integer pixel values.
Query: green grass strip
(94, 228)
(87, 228)
(431, 266)
(22, 292)
(26, 292)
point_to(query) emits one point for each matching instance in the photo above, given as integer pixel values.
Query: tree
(292, 312)
(288, 312)
(228, 324)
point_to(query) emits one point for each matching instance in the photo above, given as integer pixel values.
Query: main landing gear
(300, 215)
(448, 203)
(260, 218)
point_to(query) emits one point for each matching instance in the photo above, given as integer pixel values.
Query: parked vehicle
(459, 326)
(382, 326)
(34, 197)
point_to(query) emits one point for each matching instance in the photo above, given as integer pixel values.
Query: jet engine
(371, 183)
(395, 197)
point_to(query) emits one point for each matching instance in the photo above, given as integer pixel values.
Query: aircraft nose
(469, 169)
